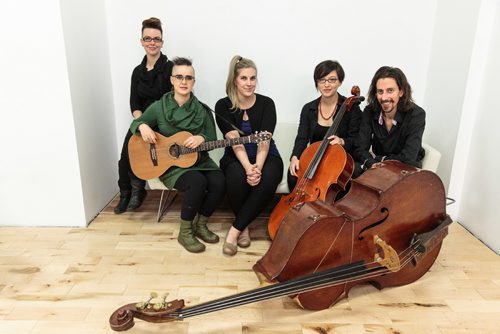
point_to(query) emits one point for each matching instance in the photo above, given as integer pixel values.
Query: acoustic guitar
(149, 161)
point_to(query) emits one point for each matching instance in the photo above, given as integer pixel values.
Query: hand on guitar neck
(154, 154)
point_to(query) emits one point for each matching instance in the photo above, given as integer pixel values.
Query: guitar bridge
(152, 154)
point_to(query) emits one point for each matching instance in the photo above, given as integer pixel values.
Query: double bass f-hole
(385, 212)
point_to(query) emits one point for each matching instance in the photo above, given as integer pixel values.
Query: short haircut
(326, 67)
(181, 61)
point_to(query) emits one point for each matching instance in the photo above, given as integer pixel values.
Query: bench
(284, 136)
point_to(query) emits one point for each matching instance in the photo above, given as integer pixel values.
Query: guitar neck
(210, 145)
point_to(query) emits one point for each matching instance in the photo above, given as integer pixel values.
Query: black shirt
(348, 128)
(148, 86)
(403, 142)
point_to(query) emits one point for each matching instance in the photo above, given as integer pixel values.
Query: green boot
(201, 230)
(186, 238)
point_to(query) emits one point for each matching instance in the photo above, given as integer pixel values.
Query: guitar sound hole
(174, 151)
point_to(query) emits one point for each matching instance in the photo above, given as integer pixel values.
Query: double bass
(329, 169)
(386, 231)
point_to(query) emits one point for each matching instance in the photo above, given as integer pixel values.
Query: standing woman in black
(252, 171)
(150, 80)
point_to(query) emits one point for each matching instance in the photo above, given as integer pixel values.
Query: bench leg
(164, 204)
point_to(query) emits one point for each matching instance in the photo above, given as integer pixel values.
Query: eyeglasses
(152, 39)
(330, 80)
(183, 77)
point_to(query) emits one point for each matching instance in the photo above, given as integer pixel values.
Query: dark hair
(152, 23)
(326, 67)
(181, 61)
(405, 102)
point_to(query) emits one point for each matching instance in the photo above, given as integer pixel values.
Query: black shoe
(136, 199)
(124, 201)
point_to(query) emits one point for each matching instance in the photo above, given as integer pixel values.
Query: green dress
(171, 118)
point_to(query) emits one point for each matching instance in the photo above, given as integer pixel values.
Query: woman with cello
(330, 125)
(318, 115)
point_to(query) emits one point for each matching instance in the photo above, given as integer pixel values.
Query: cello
(329, 168)
(387, 231)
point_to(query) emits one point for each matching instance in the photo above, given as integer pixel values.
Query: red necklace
(321, 113)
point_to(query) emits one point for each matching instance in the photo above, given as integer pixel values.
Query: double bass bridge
(390, 258)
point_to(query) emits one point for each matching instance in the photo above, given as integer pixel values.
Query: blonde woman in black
(252, 171)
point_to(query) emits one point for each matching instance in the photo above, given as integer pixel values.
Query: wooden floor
(70, 280)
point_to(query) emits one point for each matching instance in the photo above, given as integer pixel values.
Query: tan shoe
(244, 241)
(229, 249)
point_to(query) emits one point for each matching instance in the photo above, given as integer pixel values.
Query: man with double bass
(392, 124)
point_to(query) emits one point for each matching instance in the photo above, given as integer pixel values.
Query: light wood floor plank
(70, 280)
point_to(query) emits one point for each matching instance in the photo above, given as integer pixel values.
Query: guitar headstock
(123, 318)
(260, 137)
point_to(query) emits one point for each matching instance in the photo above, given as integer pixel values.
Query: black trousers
(203, 192)
(125, 175)
(248, 202)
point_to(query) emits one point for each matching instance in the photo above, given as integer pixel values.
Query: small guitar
(149, 161)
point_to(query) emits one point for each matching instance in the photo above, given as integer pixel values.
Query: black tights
(247, 202)
(203, 191)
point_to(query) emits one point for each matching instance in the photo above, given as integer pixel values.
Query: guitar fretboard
(208, 146)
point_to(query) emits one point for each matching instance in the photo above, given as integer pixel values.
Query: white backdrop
(286, 39)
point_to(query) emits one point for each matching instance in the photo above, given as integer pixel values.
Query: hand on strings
(336, 140)
(147, 134)
(294, 166)
(193, 141)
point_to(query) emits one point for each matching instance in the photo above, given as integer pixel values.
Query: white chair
(168, 195)
(166, 199)
(431, 158)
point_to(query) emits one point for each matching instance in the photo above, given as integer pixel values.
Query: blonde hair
(237, 63)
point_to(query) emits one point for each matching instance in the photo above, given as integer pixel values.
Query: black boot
(123, 203)
(138, 194)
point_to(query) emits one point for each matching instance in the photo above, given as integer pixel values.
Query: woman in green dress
(203, 183)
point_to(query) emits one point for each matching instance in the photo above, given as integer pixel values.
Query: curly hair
(405, 102)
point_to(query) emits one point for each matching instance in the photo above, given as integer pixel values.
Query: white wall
(474, 179)
(40, 179)
(445, 88)
(88, 63)
(285, 38)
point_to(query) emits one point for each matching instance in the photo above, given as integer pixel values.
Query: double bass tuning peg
(146, 304)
